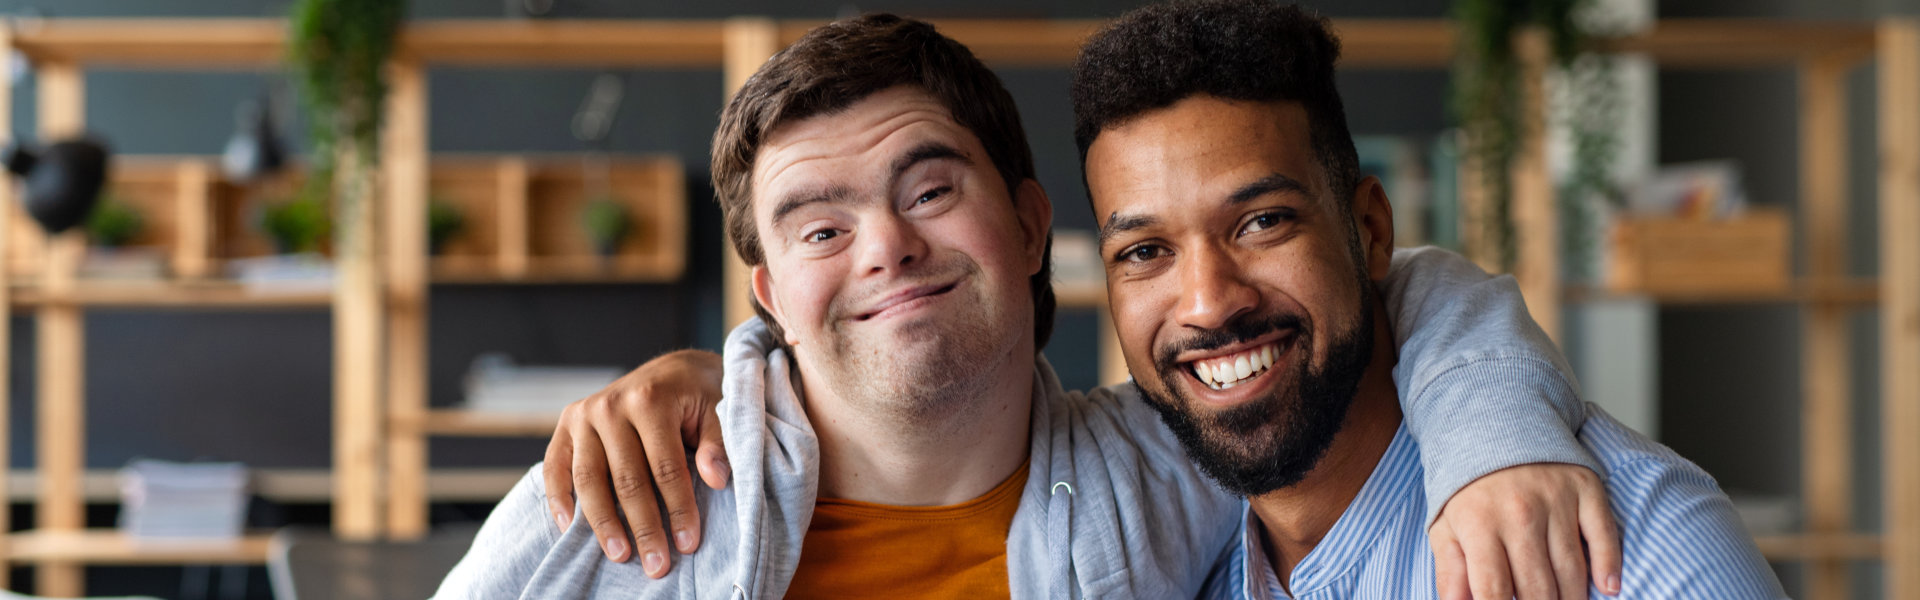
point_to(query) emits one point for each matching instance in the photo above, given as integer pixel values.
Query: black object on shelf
(255, 149)
(60, 183)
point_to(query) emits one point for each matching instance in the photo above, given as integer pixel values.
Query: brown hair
(836, 66)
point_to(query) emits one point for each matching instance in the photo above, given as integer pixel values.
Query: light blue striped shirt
(1680, 536)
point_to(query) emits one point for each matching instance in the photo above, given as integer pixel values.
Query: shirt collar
(1395, 480)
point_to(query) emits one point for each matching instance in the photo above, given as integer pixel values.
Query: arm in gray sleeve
(1481, 385)
(508, 549)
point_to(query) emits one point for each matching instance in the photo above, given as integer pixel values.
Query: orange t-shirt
(865, 550)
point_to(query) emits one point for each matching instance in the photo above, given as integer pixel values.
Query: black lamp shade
(60, 183)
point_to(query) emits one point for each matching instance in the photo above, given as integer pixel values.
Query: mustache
(1234, 332)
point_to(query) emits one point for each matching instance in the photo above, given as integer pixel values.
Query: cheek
(805, 291)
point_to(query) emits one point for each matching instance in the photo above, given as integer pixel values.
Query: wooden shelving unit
(382, 418)
(528, 205)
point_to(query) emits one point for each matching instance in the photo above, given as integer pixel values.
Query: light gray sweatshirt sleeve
(1481, 385)
(509, 548)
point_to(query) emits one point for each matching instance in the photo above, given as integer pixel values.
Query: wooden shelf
(113, 547)
(1842, 292)
(295, 485)
(172, 294)
(1080, 295)
(467, 422)
(1813, 547)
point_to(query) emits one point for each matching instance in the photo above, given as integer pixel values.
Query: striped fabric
(1681, 537)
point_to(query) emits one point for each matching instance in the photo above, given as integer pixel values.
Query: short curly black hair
(1254, 50)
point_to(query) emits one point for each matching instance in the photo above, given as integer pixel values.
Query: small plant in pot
(607, 223)
(296, 226)
(444, 221)
(114, 223)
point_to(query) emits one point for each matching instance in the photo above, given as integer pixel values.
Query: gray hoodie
(1111, 507)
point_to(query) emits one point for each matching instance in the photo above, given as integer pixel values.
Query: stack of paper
(166, 499)
(495, 384)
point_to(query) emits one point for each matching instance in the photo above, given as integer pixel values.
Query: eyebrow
(801, 199)
(1118, 224)
(1267, 185)
(837, 194)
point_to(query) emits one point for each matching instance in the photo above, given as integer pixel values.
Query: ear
(1035, 211)
(762, 281)
(1373, 222)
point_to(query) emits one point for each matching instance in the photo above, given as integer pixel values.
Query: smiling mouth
(889, 306)
(1232, 370)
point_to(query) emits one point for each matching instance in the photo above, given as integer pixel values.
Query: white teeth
(1228, 373)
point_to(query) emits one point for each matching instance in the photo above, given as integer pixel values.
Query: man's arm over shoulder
(1481, 385)
(509, 548)
(1679, 533)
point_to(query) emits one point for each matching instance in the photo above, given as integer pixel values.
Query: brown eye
(1142, 253)
(821, 235)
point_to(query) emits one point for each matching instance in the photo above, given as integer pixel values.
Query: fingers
(711, 453)
(1449, 563)
(632, 482)
(1533, 574)
(667, 458)
(556, 472)
(595, 497)
(1487, 573)
(1602, 537)
(1569, 559)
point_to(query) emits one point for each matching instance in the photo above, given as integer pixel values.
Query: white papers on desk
(173, 500)
(496, 384)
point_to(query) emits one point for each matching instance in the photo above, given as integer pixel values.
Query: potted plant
(295, 226)
(444, 221)
(114, 223)
(607, 223)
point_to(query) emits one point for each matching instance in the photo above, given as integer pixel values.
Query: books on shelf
(163, 499)
(495, 384)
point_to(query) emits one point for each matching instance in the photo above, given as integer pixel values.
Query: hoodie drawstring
(1060, 540)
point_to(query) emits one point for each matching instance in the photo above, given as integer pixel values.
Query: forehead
(1201, 148)
(857, 141)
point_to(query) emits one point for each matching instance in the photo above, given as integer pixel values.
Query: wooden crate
(1745, 254)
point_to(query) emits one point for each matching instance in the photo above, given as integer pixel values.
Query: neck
(1294, 519)
(920, 460)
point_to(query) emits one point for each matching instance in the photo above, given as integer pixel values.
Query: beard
(1270, 442)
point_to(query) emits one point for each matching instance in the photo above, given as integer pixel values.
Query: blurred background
(570, 235)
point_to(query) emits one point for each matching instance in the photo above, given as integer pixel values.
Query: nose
(889, 242)
(1213, 290)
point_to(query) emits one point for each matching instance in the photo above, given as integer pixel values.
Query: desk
(309, 564)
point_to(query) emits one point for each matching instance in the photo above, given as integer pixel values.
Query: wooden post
(1899, 85)
(1536, 221)
(61, 433)
(511, 204)
(405, 161)
(358, 360)
(193, 220)
(7, 203)
(750, 42)
(1826, 470)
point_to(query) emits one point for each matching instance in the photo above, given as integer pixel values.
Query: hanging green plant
(338, 52)
(114, 223)
(1490, 103)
